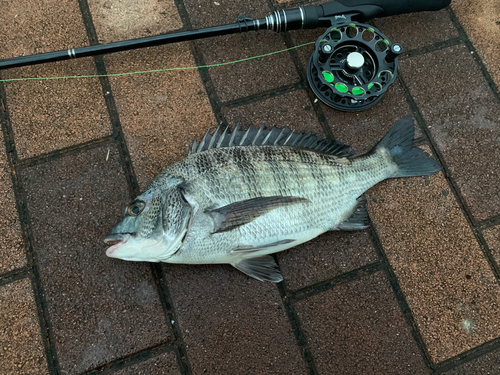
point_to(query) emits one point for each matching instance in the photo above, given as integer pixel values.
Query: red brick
(21, 349)
(440, 267)
(358, 328)
(121, 20)
(232, 324)
(480, 21)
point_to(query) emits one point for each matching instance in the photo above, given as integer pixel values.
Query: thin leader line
(157, 70)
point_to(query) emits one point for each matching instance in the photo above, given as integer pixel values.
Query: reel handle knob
(393, 52)
(324, 52)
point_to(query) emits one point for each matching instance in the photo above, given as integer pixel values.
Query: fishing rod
(350, 69)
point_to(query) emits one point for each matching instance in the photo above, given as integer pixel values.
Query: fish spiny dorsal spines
(268, 137)
(215, 137)
(233, 135)
(222, 138)
(204, 142)
(194, 146)
(260, 134)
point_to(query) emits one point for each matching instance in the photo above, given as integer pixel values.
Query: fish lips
(116, 240)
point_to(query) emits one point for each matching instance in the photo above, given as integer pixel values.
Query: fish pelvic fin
(411, 161)
(262, 268)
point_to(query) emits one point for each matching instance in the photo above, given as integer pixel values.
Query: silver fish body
(233, 202)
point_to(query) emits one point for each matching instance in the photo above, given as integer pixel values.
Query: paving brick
(160, 112)
(417, 30)
(21, 349)
(163, 364)
(326, 256)
(362, 130)
(492, 237)
(52, 114)
(232, 324)
(130, 19)
(440, 267)
(12, 252)
(293, 109)
(249, 77)
(488, 364)
(480, 21)
(206, 13)
(100, 308)
(49, 115)
(358, 328)
(30, 27)
(464, 118)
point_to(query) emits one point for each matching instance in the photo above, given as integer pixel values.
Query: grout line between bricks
(14, 275)
(171, 318)
(431, 48)
(56, 154)
(400, 297)
(22, 210)
(468, 356)
(119, 138)
(489, 223)
(300, 336)
(136, 358)
(263, 95)
(326, 285)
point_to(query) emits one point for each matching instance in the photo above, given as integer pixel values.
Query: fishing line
(158, 70)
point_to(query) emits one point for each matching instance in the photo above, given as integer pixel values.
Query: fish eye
(136, 208)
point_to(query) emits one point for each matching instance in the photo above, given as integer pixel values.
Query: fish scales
(237, 204)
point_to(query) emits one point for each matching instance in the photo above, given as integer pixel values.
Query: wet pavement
(417, 292)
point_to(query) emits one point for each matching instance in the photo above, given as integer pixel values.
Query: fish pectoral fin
(262, 268)
(359, 218)
(250, 248)
(239, 213)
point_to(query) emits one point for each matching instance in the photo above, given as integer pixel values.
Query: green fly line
(158, 70)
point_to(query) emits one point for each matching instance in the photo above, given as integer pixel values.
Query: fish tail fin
(411, 161)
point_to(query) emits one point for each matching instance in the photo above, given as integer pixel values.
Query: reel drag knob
(355, 60)
(352, 66)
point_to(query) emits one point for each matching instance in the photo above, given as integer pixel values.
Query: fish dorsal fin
(268, 137)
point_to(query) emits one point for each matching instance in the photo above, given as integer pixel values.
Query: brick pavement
(416, 293)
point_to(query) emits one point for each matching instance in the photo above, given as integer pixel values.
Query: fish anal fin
(239, 213)
(262, 268)
(359, 218)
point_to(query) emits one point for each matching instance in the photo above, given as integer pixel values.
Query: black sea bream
(241, 196)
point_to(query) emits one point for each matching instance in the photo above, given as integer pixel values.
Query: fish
(240, 196)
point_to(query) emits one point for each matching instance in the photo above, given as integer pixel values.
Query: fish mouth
(116, 241)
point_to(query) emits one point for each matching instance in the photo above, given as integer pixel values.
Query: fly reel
(352, 66)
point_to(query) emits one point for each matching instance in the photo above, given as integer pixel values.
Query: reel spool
(352, 66)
